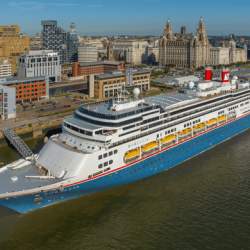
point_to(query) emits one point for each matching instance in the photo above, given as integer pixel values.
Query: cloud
(36, 5)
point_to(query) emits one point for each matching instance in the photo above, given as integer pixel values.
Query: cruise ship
(127, 139)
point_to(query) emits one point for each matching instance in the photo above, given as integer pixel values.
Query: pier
(17, 143)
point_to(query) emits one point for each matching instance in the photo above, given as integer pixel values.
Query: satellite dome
(191, 85)
(136, 92)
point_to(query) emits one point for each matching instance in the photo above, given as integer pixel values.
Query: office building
(7, 102)
(109, 85)
(5, 68)
(131, 51)
(40, 63)
(87, 53)
(12, 45)
(27, 89)
(219, 56)
(96, 68)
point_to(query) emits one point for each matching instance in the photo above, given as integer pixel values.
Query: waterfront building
(40, 63)
(96, 68)
(111, 84)
(12, 44)
(5, 68)
(219, 56)
(27, 89)
(87, 53)
(131, 51)
(7, 102)
(184, 50)
(236, 54)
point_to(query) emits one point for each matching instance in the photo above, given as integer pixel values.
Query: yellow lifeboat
(222, 118)
(149, 146)
(199, 126)
(185, 132)
(211, 122)
(168, 139)
(132, 154)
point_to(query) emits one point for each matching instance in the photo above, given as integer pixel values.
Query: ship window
(105, 155)
(105, 164)
(110, 153)
(110, 162)
(115, 151)
(100, 166)
(100, 157)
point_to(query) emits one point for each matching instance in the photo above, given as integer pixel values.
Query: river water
(201, 204)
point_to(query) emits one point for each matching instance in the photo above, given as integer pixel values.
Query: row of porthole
(105, 155)
(105, 164)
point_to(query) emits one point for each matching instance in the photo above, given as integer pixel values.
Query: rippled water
(202, 204)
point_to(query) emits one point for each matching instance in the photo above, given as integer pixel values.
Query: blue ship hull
(159, 162)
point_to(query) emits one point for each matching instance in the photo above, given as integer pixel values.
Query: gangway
(17, 143)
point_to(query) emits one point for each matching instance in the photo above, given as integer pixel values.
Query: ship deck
(15, 180)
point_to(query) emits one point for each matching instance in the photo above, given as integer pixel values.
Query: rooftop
(86, 64)
(11, 80)
(120, 74)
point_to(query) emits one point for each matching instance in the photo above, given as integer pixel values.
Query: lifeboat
(168, 139)
(199, 127)
(211, 122)
(185, 132)
(132, 155)
(149, 147)
(222, 118)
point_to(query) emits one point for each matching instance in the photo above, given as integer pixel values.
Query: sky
(129, 17)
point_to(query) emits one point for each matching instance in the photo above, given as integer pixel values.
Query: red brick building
(96, 68)
(28, 89)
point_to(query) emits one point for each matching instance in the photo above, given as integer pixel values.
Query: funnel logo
(226, 77)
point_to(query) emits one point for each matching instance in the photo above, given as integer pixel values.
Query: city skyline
(142, 17)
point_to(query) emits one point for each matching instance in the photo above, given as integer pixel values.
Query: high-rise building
(184, 50)
(87, 53)
(73, 44)
(5, 68)
(40, 63)
(55, 38)
(12, 44)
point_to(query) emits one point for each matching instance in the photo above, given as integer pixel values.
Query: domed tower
(202, 46)
(201, 32)
(168, 31)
